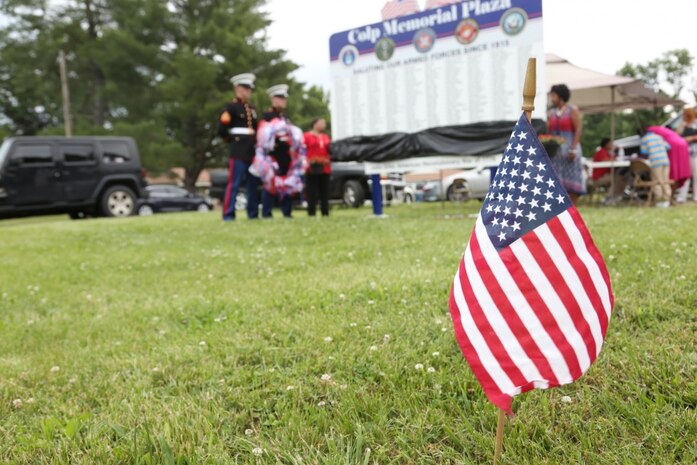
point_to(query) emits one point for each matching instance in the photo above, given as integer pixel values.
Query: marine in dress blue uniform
(280, 153)
(237, 126)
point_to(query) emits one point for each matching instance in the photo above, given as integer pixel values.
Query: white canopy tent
(595, 92)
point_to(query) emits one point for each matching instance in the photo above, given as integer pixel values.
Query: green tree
(672, 73)
(158, 71)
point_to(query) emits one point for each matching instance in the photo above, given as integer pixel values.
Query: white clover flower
(328, 339)
(419, 366)
(257, 451)
(373, 285)
(435, 354)
(321, 403)
(30, 400)
(368, 327)
(290, 387)
(371, 302)
(439, 321)
(431, 370)
(353, 325)
(55, 369)
(443, 329)
(326, 377)
(342, 297)
(202, 343)
(681, 277)
(342, 386)
(386, 338)
(248, 432)
(566, 399)
(156, 369)
(373, 348)
(17, 403)
(611, 257)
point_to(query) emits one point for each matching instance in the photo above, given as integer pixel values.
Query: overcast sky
(598, 34)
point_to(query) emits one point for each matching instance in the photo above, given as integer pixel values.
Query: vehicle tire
(78, 215)
(353, 193)
(408, 198)
(145, 210)
(118, 201)
(457, 193)
(203, 208)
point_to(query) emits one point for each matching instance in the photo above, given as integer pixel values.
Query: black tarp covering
(467, 139)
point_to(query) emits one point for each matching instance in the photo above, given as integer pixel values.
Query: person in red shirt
(319, 167)
(603, 176)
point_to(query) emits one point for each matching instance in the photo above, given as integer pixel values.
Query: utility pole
(66, 95)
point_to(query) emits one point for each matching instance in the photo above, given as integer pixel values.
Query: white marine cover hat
(279, 90)
(244, 79)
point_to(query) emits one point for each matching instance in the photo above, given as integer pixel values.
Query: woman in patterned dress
(564, 120)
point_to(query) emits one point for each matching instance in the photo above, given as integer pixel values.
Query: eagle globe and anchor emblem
(467, 31)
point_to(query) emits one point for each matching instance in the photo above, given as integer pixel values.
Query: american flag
(430, 4)
(531, 300)
(397, 8)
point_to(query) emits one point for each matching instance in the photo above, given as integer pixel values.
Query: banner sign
(456, 64)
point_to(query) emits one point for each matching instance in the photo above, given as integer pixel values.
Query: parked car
(463, 185)
(395, 189)
(163, 198)
(348, 184)
(80, 176)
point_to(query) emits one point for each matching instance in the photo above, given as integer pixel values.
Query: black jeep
(79, 175)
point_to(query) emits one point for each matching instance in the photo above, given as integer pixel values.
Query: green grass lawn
(177, 339)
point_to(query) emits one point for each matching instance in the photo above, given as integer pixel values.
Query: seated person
(604, 176)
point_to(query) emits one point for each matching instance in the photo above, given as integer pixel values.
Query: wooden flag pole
(530, 88)
(529, 93)
(499, 436)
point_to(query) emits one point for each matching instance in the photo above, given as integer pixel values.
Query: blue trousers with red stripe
(238, 173)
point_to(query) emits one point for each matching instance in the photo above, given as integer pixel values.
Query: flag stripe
(531, 299)
(594, 288)
(491, 325)
(570, 277)
(567, 359)
(549, 268)
(491, 389)
(547, 292)
(500, 286)
(589, 249)
(500, 378)
(513, 279)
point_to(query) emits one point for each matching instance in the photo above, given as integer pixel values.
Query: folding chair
(642, 181)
